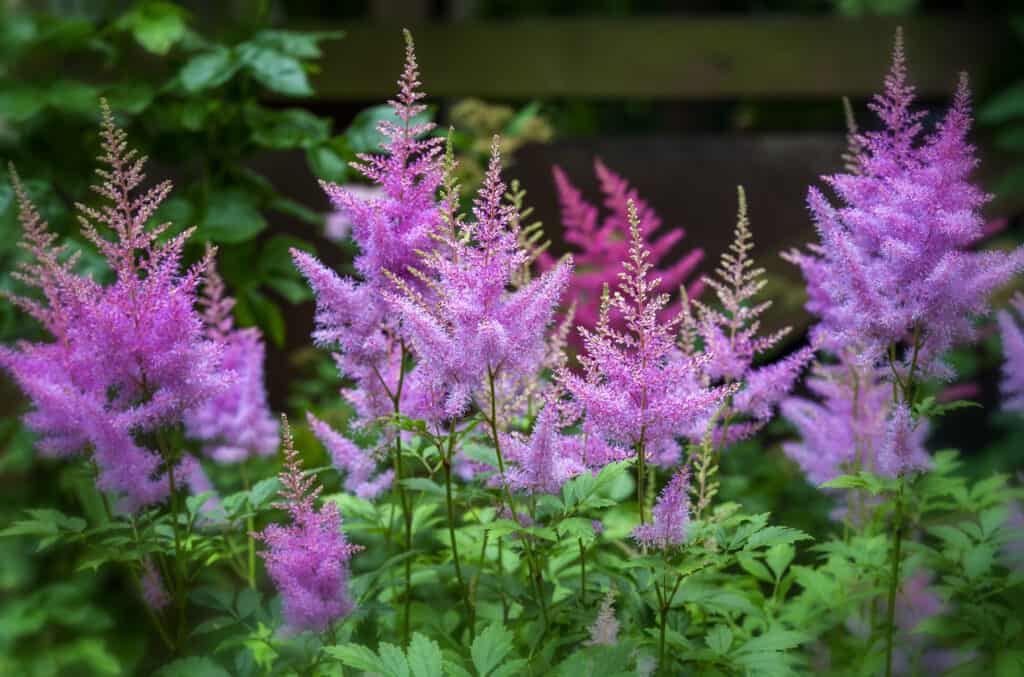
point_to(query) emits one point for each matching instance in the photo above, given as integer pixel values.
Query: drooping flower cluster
(671, 514)
(730, 338)
(895, 264)
(602, 244)
(308, 560)
(475, 326)
(359, 467)
(390, 223)
(236, 423)
(854, 425)
(1012, 385)
(128, 358)
(638, 389)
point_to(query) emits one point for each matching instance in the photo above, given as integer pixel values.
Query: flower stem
(250, 528)
(583, 573)
(470, 616)
(641, 471)
(894, 580)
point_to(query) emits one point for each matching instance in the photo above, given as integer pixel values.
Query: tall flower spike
(308, 560)
(127, 358)
(896, 250)
(605, 630)
(359, 467)
(1012, 384)
(731, 337)
(474, 326)
(544, 462)
(638, 388)
(235, 423)
(602, 244)
(671, 514)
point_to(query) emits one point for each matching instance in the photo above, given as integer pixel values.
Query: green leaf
(263, 313)
(489, 648)
(425, 658)
(288, 128)
(327, 164)
(193, 666)
(423, 484)
(356, 656)
(231, 217)
(209, 69)
(719, 639)
(155, 25)
(274, 70)
(773, 640)
(130, 97)
(393, 660)
(19, 103)
(363, 135)
(978, 560)
(299, 44)
(1004, 106)
(47, 525)
(754, 567)
(770, 536)
(74, 97)
(779, 557)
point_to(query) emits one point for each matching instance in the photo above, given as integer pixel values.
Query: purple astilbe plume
(476, 327)
(602, 244)
(605, 629)
(360, 468)
(895, 262)
(671, 514)
(154, 594)
(338, 224)
(235, 423)
(308, 560)
(638, 389)
(731, 337)
(390, 225)
(542, 463)
(852, 425)
(1012, 384)
(128, 358)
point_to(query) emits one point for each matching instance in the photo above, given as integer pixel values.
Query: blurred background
(245, 105)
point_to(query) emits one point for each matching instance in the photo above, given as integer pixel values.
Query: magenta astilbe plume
(895, 256)
(602, 244)
(853, 425)
(308, 560)
(671, 514)
(476, 325)
(543, 463)
(235, 423)
(638, 388)
(731, 339)
(1012, 385)
(359, 467)
(127, 358)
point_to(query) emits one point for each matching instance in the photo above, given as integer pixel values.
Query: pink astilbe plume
(671, 514)
(128, 358)
(602, 244)
(543, 462)
(389, 223)
(896, 256)
(852, 425)
(732, 340)
(359, 466)
(308, 560)
(638, 389)
(1012, 384)
(235, 423)
(154, 594)
(475, 325)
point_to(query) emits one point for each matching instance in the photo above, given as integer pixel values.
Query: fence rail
(666, 58)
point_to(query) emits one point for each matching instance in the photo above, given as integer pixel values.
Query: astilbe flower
(476, 327)
(128, 358)
(895, 264)
(359, 466)
(390, 223)
(235, 423)
(308, 560)
(731, 339)
(602, 243)
(154, 594)
(542, 463)
(605, 629)
(852, 425)
(1012, 384)
(671, 514)
(638, 390)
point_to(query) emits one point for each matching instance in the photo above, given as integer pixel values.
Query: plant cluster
(495, 505)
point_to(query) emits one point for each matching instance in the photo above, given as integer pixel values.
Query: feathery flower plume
(638, 390)
(359, 467)
(547, 459)
(851, 426)
(473, 327)
(602, 244)
(895, 258)
(732, 341)
(1012, 384)
(605, 630)
(671, 514)
(235, 423)
(128, 358)
(154, 594)
(308, 560)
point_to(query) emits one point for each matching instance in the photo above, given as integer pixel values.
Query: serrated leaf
(770, 536)
(489, 648)
(773, 640)
(356, 656)
(778, 557)
(425, 659)
(274, 70)
(193, 666)
(755, 568)
(719, 639)
(208, 70)
(393, 660)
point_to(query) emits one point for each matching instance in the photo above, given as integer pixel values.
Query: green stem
(894, 581)
(451, 533)
(583, 573)
(250, 528)
(179, 577)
